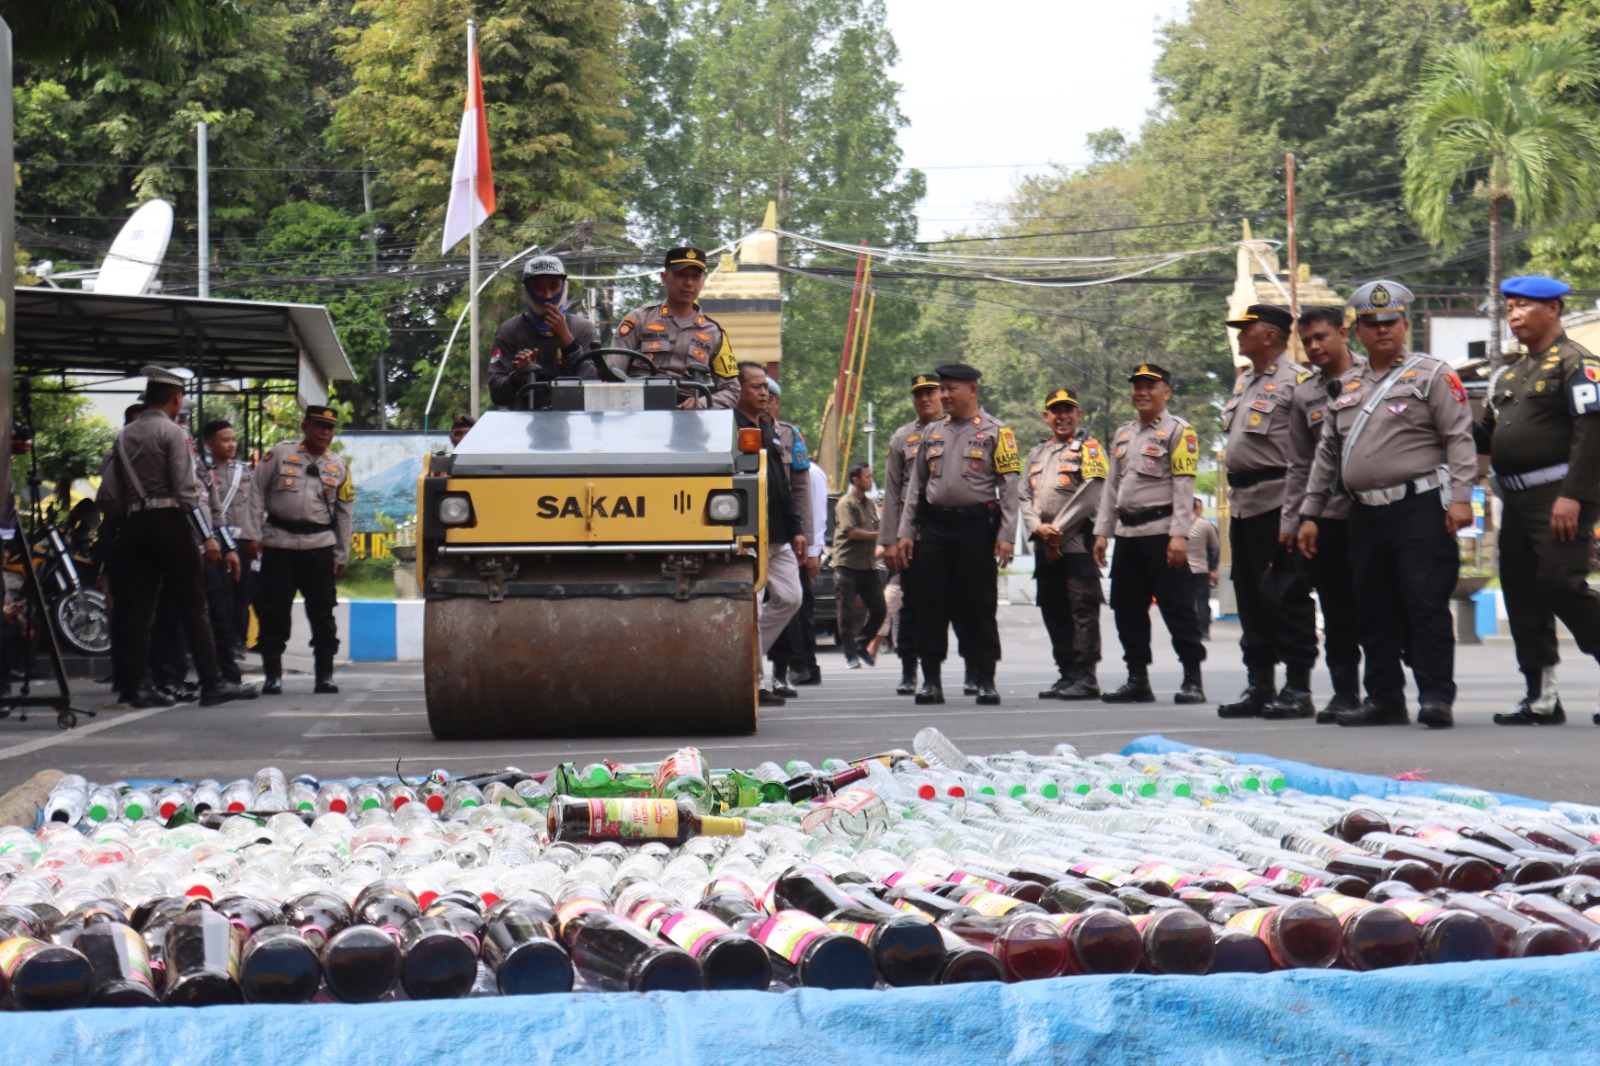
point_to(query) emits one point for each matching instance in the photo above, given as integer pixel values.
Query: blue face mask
(537, 304)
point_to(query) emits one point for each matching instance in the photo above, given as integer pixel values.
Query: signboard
(385, 467)
(1475, 530)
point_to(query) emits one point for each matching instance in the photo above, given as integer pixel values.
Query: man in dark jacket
(543, 341)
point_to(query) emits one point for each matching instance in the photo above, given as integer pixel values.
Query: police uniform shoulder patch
(1094, 460)
(626, 327)
(1300, 378)
(723, 364)
(1186, 455)
(1006, 460)
(1456, 388)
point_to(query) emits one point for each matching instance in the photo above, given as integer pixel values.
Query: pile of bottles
(903, 868)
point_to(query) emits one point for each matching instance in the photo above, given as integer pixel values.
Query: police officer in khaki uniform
(230, 484)
(1398, 441)
(303, 499)
(1323, 334)
(1274, 597)
(682, 340)
(904, 447)
(1148, 506)
(1059, 497)
(150, 497)
(1541, 429)
(958, 519)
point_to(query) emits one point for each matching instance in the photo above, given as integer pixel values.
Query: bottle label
(633, 819)
(1160, 871)
(1199, 895)
(910, 908)
(647, 913)
(961, 877)
(1437, 836)
(912, 876)
(991, 903)
(851, 800)
(685, 762)
(861, 931)
(729, 884)
(1293, 877)
(1251, 921)
(138, 956)
(1420, 911)
(14, 952)
(567, 910)
(788, 933)
(1343, 906)
(693, 931)
(1065, 921)
(1239, 879)
(1101, 872)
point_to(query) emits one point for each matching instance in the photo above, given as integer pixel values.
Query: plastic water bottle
(366, 796)
(137, 805)
(68, 800)
(935, 749)
(334, 797)
(302, 797)
(239, 796)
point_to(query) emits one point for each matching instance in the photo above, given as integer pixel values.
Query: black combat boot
(1084, 685)
(931, 691)
(983, 675)
(908, 678)
(780, 681)
(1191, 691)
(1346, 693)
(969, 681)
(1294, 700)
(1252, 701)
(1542, 704)
(1061, 684)
(1135, 690)
(272, 666)
(325, 685)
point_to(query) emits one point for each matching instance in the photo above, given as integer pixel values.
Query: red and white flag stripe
(472, 183)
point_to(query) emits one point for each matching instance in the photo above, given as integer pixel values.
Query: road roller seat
(593, 568)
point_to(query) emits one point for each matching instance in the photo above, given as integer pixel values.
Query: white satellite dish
(130, 267)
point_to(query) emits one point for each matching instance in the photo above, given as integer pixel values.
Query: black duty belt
(1139, 518)
(1245, 478)
(954, 514)
(300, 527)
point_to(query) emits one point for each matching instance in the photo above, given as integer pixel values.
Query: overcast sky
(998, 89)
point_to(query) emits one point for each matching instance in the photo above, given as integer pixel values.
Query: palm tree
(1514, 124)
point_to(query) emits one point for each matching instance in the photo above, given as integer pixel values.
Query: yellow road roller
(592, 566)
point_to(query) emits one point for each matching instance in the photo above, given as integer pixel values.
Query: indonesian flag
(472, 184)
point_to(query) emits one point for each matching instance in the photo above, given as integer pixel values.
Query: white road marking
(107, 720)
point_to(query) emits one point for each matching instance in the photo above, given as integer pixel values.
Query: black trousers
(222, 592)
(285, 571)
(1335, 585)
(1139, 572)
(797, 646)
(124, 674)
(1202, 602)
(847, 585)
(1275, 610)
(1405, 566)
(1069, 599)
(157, 551)
(956, 585)
(169, 647)
(905, 641)
(1544, 579)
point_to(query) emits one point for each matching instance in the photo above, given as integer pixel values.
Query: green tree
(69, 442)
(75, 32)
(1512, 125)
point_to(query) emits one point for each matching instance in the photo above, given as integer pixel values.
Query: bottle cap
(713, 826)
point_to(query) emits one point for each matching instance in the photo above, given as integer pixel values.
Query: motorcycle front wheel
(83, 622)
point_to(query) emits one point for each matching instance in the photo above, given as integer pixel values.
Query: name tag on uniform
(1153, 449)
(1261, 403)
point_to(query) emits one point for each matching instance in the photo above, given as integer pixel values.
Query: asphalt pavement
(379, 718)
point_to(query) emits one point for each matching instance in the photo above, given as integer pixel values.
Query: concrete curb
(21, 805)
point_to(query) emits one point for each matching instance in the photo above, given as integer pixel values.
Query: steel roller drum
(569, 662)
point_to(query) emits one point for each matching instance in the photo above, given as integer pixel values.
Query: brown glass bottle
(202, 960)
(522, 947)
(1216, 907)
(1457, 873)
(120, 961)
(1017, 888)
(38, 975)
(1070, 895)
(1516, 936)
(1357, 823)
(966, 964)
(809, 786)
(728, 959)
(437, 960)
(1447, 935)
(386, 905)
(932, 904)
(1347, 885)
(1301, 934)
(616, 955)
(806, 952)
(907, 947)
(633, 820)
(1138, 901)
(1044, 875)
(1371, 936)
(1240, 952)
(1556, 838)
(1101, 941)
(1176, 940)
(1533, 869)
(361, 964)
(318, 915)
(248, 913)
(279, 965)
(1029, 946)
(94, 911)
(1419, 875)
(1548, 909)
(1585, 863)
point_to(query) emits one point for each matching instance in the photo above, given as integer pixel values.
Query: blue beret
(1535, 287)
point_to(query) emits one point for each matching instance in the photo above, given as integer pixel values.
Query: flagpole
(472, 247)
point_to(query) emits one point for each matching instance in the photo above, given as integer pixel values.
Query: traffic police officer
(1541, 430)
(231, 483)
(1323, 333)
(961, 498)
(904, 447)
(1275, 609)
(682, 340)
(303, 499)
(1148, 506)
(1059, 497)
(541, 342)
(149, 491)
(1398, 441)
